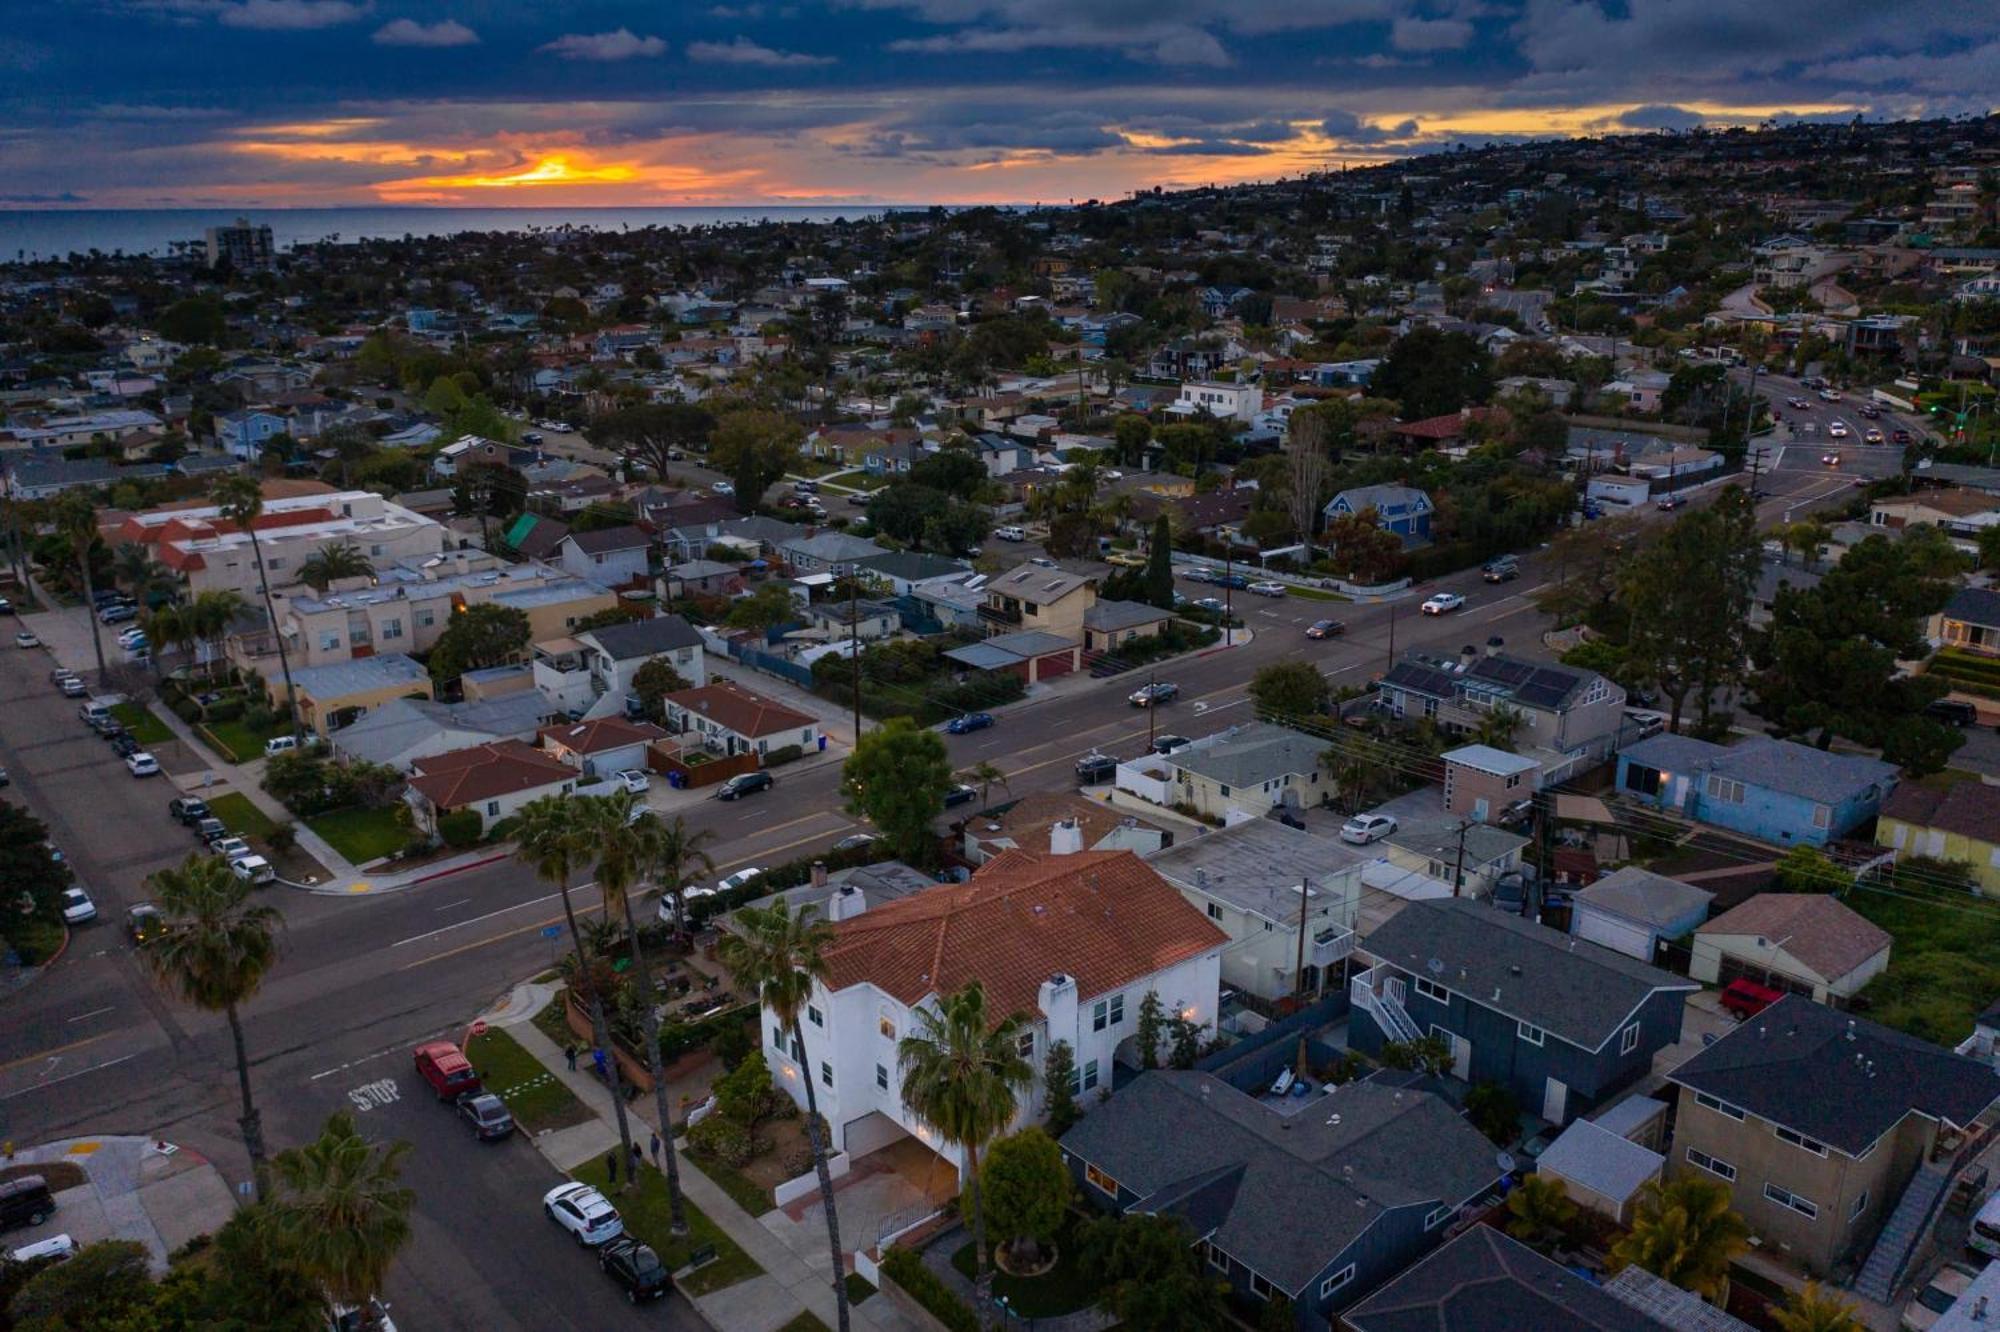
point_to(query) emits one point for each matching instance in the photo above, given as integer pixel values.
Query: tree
(772, 604)
(1160, 565)
(755, 447)
(241, 501)
(1307, 468)
(214, 949)
(1432, 373)
(1151, 1276)
(1130, 434)
(1184, 1036)
(211, 615)
(1540, 1212)
(782, 957)
(1025, 1188)
(986, 775)
(1494, 1111)
(961, 1072)
(76, 519)
(1290, 688)
(342, 1210)
(1426, 1054)
(1369, 552)
(679, 853)
(653, 432)
(1807, 869)
(1685, 1232)
(143, 577)
(897, 777)
(1688, 597)
(1059, 1109)
(479, 636)
(327, 565)
(1816, 1309)
(100, 1286)
(194, 319)
(652, 682)
(1147, 1035)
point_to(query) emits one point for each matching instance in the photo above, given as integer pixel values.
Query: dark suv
(1952, 712)
(635, 1267)
(25, 1201)
(187, 810)
(745, 783)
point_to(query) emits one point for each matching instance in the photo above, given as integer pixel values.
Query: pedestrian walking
(656, 1151)
(638, 1159)
(569, 1054)
(611, 1165)
(597, 1058)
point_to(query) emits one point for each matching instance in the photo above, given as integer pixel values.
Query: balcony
(1009, 615)
(1331, 945)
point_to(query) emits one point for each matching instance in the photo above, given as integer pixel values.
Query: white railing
(1391, 1016)
(1331, 945)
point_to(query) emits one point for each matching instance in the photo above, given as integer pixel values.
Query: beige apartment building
(1053, 601)
(213, 554)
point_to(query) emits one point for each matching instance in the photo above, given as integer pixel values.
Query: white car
(723, 488)
(1365, 828)
(726, 884)
(253, 869)
(231, 849)
(24, 639)
(142, 764)
(77, 908)
(130, 636)
(1444, 603)
(60, 1247)
(1828, 395)
(1838, 430)
(634, 780)
(1935, 1300)
(583, 1212)
(1267, 589)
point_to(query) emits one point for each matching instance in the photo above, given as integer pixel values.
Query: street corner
(145, 1190)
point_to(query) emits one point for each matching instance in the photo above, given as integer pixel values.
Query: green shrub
(460, 828)
(723, 1138)
(259, 717)
(187, 710)
(35, 939)
(282, 837)
(783, 754)
(226, 709)
(907, 1270)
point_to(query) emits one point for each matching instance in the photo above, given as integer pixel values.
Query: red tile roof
(485, 772)
(747, 714)
(1104, 917)
(1452, 424)
(594, 737)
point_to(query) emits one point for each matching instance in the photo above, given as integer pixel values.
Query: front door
(1461, 1052)
(1479, 810)
(1555, 1098)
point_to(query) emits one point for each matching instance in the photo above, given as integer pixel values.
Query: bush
(36, 940)
(259, 716)
(907, 1270)
(187, 710)
(460, 828)
(784, 754)
(722, 1138)
(226, 709)
(282, 837)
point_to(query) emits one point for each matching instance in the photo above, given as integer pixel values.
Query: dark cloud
(1661, 117)
(1346, 127)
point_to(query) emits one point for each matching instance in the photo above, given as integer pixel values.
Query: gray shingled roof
(1600, 1160)
(1484, 1281)
(645, 638)
(1772, 765)
(1581, 991)
(1191, 1144)
(342, 678)
(1974, 605)
(1645, 898)
(1256, 753)
(1835, 1077)
(1110, 616)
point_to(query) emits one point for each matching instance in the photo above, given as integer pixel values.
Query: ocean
(53, 233)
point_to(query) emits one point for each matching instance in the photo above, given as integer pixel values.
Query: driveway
(140, 1189)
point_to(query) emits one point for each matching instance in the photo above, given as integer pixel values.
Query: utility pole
(1228, 600)
(1458, 873)
(1152, 708)
(1392, 636)
(1299, 967)
(854, 646)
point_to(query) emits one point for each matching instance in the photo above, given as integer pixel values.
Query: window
(1261, 1288)
(886, 1027)
(1860, 1206)
(274, 564)
(1217, 1259)
(1725, 789)
(1430, 989)
(1802, 1142)
(1822, 816)
(492, 809)
(1529, 1036)
(329, 641)
(1215, 911)
(392, 629)
(1711, 1164)
(778, 1039)
(1438, 1216)
(425, 619)
(1336, 1281)
(1100, 1015)
(1786, 1198)
(1225, 792)
(1090, 1075)
(1708, 1102)
(1513, 780)
(826, 1073)
(813, 1016)
(882, 1077)
(1100, 1181)
(375, 550)
(1117, 1009)
(1629, 1040)
(1025, 1045)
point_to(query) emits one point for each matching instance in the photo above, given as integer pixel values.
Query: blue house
(1317, 1201)
(1404, 510)
(1564, 1024)
(244, 434)
(1773, 790)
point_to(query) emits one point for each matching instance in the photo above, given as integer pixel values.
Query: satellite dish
(1505, 1160)
(1436, 966)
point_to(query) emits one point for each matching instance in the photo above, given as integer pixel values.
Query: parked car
(969, 722)
(583, 1212)
(25, 1201)
(1505, 569)
(59, 1247)
(143, 923)
(1234, 581)
(280, 744)
(1746, 998)
(253, 869)
(123, 745)
(1164, 745)
(142, 764)
(1365, 828)
(1010, 533)
(24, 639)
(1269, 589)
(727, 884)
(207, 828)
(444, 1068)
(1443, 603)
(634, 780)
(635, 1267)
(723, 488)
(1093, 769)
(486, 1115)
(959, 794)
(1325, 629)
(855, 841)
(77, 908)
(1125, 559)
(70, 686)
(1935, 1300)
(229, 848)
(1952, 712)
(745, 783)
(1984, 1237)
(1152, 695)
(187, 810)
(1648, 723)
(117, 614)
(1199, 573)
(1213, 605)
(1667, 503)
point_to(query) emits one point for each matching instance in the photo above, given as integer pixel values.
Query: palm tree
(134, 569)
(211, 613)
(76, 519)
(1685, 1232)
(1540, 1212)
(1496, 729)
(215, 948)
(680, 853)
(241, 500)
(627, 848)
(961, 1074)
(1816, 1309)
(782, 956)
(172, 626)
(557, 837)
(329, 563)
(342, 1210)
(986, 775)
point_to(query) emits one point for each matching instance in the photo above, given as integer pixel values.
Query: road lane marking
(449, 905)
(67, 1077)
(369, 1095)
(91, 1014)
(474, 920)
(58, 1050)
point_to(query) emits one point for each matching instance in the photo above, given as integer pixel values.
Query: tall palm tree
(329, 563)
(782, 956)
(558, 836)
(961, 1074)
(627, 849)
(241, 500)
(986, 775)
(342, 1210)
(134, 569)
(215, 948)
(76, 519)
(680, 853)
(172, 626)
(1685, 1232)
(211, 614)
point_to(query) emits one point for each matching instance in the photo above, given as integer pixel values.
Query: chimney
(846, 903)
(1057, 1000)
(819, 874)
(1494, 644)
(1065, 838)
(1466, 656)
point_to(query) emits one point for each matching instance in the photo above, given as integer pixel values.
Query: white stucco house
(590, 674)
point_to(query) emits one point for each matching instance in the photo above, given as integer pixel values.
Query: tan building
(1806, 942)
(212, 553)
(330, 697)
(1109, 625)
(1480, 781)
(1053, 601)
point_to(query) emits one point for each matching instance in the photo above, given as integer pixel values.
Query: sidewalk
(139, 1189)
(790, 1283)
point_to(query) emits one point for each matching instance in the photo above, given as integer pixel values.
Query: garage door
(1053, 664)
(1632, 940)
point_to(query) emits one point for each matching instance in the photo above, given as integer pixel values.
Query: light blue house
(244, 434)
(1773, 790)
(1404, 510)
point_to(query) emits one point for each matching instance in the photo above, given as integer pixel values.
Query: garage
(1633, 910)
(1624, 936)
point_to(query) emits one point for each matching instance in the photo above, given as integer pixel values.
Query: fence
(1254, 1061)
(917, 617)
(758, 660)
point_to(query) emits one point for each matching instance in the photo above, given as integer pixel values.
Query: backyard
(537, 1098)
(1945, 966)
(649, 1219)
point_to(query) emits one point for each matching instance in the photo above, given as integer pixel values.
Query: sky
(563, 103)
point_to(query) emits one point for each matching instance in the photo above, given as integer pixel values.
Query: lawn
(807, 1321)
(648, 1218)
(857, 480)
(744, 1191)
(361, 835)
(146, 728)
(1314, 593)
(1062, 1289)
(238, 743)
(1945, 967)
(241, 817)
(538, 1099)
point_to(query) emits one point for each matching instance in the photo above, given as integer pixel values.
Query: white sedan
(1365, 828)
(24, 639)
(142, 764)
(634, 780)
(77, 908)
(723, 488)
(1267, 589)
(1444, 603)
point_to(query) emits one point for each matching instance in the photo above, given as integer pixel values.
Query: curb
(366, 888)
(41, 969)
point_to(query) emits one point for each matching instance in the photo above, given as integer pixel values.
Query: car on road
(1325, 629)
(634, 780)
(444, 1068)
(1213, 605)
(1874, 435)
(1829, 460)
(1799, 404)
(1268, 589)
(723, 488)
(1829, 395)
(583, 1212)
(1935, 1300)
(1837, 430)
(25, 639)
(1365, 828)
(143, 923)
(77, 908)
(969, 722)
(1899, 437)
(745, 783)
(1443, 603)
(635, 1267)
(142, 764)
(1869, 411)
(1199, 573)
(959, 794)
(486, 1115)
(25, 1201)
(1505, 569)
(187, 810)
(71, 686)
(1152, 695)
(1010, 533)
(1667, 503)
(855, 841)
(253, 870)
(1093, 769)
(1236, 582)
(1164, 745)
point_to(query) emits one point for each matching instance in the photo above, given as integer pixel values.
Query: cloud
(1346, 127)
(1166, 32)
(1661, 117)
(743, 51)
(62, 197)
(1421, 34)
(622, 44)
(292, 15)
(409, 32)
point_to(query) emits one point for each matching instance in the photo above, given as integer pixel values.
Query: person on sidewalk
(569, 1055)
(638, 1159)
(597, 1059)
(656, 1150)
(611, 1164)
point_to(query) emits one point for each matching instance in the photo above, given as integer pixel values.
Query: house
(730, 719)
(404, 730)
(902, 572)
(1453, 430)
(473, 451)
(1970, 622)
(1031, 597)
(212, 554)
(35, 476)
(1805, 942)
(1960, 823)
(1073, 942)
(1404, 510)
(613, 556)
(1482, 783)
(1001, 454)
(494, 780)
(590, 675)
(1061, 821)
(332, 696)
(1231, 402)
(603, 746)
(710, 578)
(1821, 1123)
(1316, 1207)
(828, 552)
(1563, 1023)
(1774, 790)
(870, 621)
(1031, 654)
(1601, 1170)
(243, 434)
(1107, 625)
(1567, 719)
(1468, 856)
(1248, 771)
(534, 537)
(1633, 911)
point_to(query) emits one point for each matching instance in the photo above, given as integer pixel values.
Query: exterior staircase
(1904, 1233)
(1369, 993)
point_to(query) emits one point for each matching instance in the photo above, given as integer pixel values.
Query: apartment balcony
(1009, 616)
(1331, 945)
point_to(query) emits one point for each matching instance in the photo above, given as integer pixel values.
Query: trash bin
(822, 744)
(676, 781)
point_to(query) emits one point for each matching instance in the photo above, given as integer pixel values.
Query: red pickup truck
(1746, 998)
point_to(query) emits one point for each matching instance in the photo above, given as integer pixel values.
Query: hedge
(907, 1270)
(784, 754)
(460, 828)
